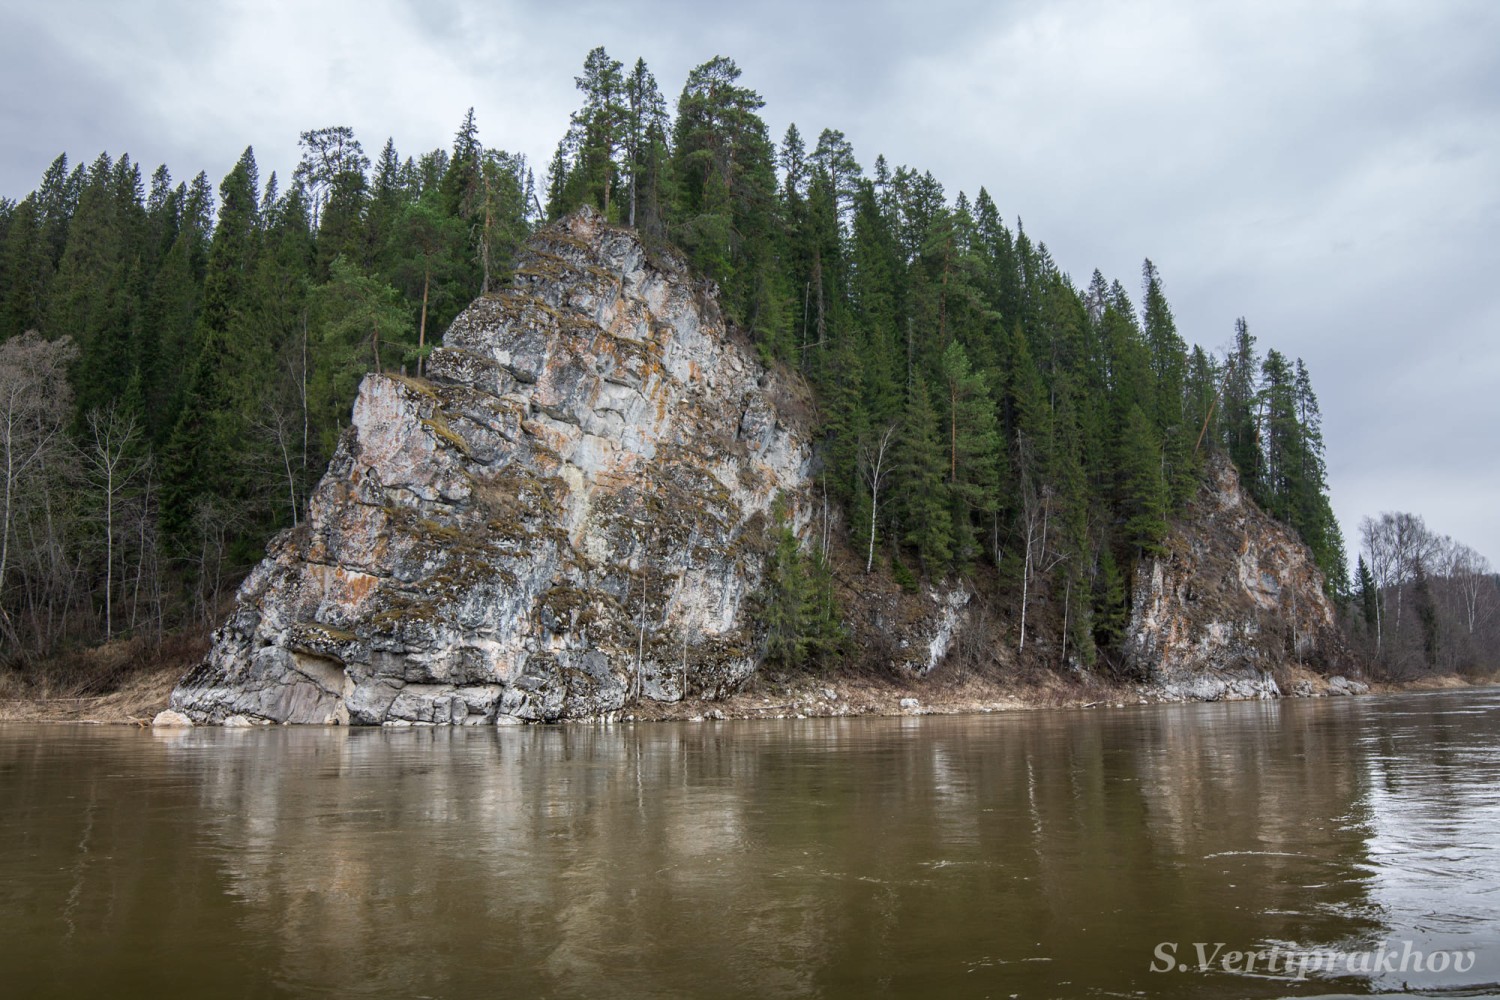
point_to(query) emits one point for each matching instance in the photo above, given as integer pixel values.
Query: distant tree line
(194, 358)
(1422, 603)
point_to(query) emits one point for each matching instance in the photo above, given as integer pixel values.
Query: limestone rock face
(569, 510)
(1236, 595)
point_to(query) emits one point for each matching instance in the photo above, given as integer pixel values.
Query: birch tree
(113, 469)
(875, 467)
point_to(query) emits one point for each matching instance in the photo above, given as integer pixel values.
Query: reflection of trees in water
(782, 858)
(827, 856)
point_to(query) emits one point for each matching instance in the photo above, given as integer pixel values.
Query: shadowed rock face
(571, 507)
(1236, 595)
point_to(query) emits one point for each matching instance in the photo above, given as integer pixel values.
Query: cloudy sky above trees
(1328, 170)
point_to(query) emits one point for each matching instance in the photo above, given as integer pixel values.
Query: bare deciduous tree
(115, 471)
(1456, 596)
(34, 402)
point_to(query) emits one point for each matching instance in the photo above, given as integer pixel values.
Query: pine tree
(646, 149)
(725, 180)
(834, 156)
(1014, 406)
(500, 212)
(330, 156)
(362, 326)
(599, 131)
(425, 254)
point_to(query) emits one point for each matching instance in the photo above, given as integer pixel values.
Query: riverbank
(136, 702)
(940, 694)
(145, 692)
(125, 682)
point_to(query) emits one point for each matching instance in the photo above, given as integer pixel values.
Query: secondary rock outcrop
(567, 511)
(1236, 596)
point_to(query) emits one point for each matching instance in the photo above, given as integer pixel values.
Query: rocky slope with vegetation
(990, 438)
(1234, 598)
(580, 504)
(573, 508)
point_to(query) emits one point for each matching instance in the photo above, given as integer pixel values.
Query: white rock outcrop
(568, 511)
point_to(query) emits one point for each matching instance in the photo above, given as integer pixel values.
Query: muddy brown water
(1124, 852)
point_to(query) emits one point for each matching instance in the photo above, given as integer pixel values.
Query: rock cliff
(567, 511)
(571, 511)
(1235, 597)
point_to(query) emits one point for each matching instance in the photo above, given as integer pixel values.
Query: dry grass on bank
(127, 681)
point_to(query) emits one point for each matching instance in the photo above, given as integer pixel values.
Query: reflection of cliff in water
(806, 856)
(1042, 851)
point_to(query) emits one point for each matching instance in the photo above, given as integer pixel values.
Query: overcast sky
(1330, 171)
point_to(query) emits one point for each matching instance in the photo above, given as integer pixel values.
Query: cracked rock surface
(568, 510)
(1235, 596)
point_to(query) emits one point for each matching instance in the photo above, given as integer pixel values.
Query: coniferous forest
(179, 356)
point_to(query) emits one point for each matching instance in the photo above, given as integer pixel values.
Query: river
(1177, 851)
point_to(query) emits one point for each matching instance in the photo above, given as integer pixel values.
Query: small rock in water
(170, 719)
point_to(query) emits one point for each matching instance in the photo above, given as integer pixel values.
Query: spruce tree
(27, 269)
(920, 480)
(1143, 488)
(1240, 371)
(647, 126)
(200, 455)
(973, 450)
(1367, 594)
